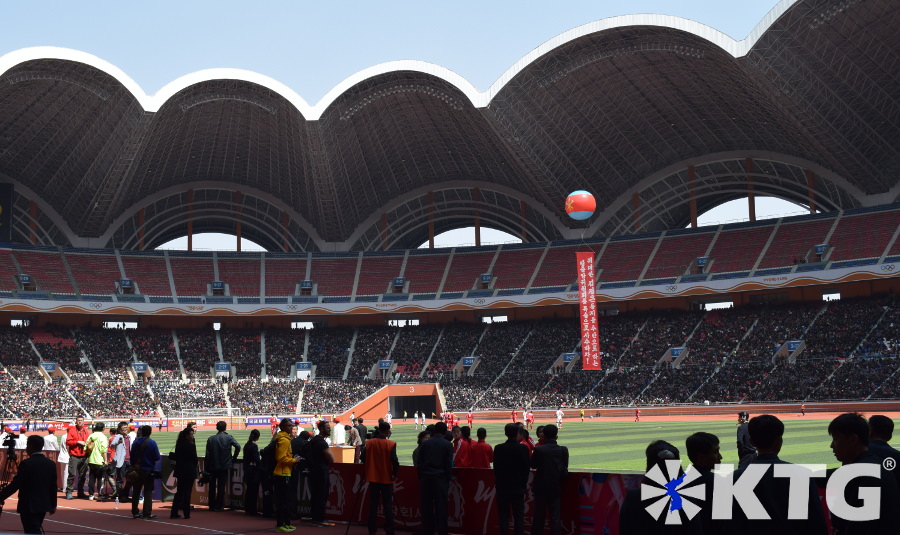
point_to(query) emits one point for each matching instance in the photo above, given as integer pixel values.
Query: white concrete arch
(154, 102)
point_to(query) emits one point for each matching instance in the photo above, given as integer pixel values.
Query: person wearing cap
(339, 434)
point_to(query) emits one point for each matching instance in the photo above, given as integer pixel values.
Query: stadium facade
(660, 117)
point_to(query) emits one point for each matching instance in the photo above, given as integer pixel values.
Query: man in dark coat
(766, 432)
(219, 458)
(252, 469)
(881, 429)
(511, 470)
(36, 485)
(435, 469)
(552, 464)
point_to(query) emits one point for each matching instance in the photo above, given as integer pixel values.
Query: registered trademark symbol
(889, 464)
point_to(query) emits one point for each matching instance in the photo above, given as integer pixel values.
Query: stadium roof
(648, 112)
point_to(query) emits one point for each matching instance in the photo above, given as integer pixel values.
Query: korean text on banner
(590, 334)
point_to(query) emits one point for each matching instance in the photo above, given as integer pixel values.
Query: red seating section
(46, 269)
(94, 273)
(466, 270)
(283, 275)
(149, 273)
(863, 236)
(377, 274)
(793, 240)
(737, 250)
(334, 276)
(424, 272)
(676, 253)
(241, 275)
(624, 260)
(514, 268)
(192, 275)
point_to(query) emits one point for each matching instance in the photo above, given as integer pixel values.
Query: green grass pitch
(609, 445)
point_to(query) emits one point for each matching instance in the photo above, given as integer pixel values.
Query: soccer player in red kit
(469, 417)
(515, 416)
(637, 414)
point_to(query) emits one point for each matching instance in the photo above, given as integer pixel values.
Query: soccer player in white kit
(388, 417)
(559, 417)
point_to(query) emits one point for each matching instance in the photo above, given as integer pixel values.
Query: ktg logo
(680, 497)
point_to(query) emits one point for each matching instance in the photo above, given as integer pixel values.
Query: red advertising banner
(590, 333)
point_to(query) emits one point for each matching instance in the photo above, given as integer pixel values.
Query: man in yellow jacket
(98, 444)
(284, 464)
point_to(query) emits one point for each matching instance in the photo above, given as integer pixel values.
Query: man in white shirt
(338, 434)
(62, 463)
(51, 443)
(388, 417)
(416, 419)
(559, 417)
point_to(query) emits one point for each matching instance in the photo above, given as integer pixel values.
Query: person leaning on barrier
(36, 484)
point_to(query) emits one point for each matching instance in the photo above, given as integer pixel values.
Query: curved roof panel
(646, 111)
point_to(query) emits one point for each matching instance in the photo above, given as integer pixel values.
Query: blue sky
(311, 47)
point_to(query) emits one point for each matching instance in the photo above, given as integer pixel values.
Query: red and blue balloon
(580, 205)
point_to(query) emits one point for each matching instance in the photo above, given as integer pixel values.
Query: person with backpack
(552, 464)
(284, 465)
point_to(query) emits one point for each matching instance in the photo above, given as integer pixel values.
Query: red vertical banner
(587, 298)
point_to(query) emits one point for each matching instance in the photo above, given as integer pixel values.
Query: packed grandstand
(341, 195)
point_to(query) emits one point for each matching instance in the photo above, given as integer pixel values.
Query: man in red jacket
(481, 454)
(76, 438)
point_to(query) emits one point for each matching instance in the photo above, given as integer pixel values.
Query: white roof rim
(152, 103)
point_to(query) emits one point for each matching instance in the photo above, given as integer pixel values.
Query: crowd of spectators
(661, 330)
(16, 354)
(457, 341)
(107, 350)
(545, 343)
(156, 347)
(856, 379)
(730, 360)
(176, 396)
(415, 344)
(113, 399)
(840, 328)
(719, 335)
(64, 352)
(241, 347)
(372, 344)
(733, 382)
(199, 352)
(566, 389)
(793, 382)
(40, 400)
(619, 387)
(277, 396)
(284, 348)
(333, 396)
(777, 324)
(328, 351)
(675, 385)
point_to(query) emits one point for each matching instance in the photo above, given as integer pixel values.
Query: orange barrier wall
(376, 405)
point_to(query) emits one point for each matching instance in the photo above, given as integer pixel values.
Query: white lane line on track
(91, 528)
(128, 515)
